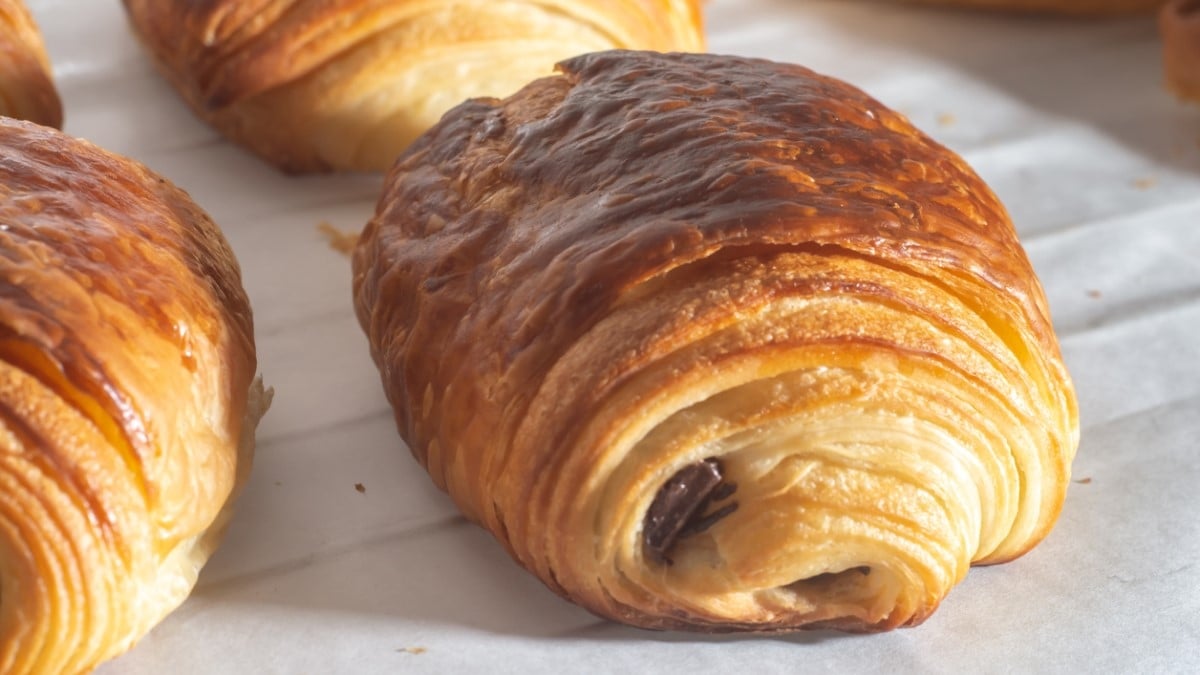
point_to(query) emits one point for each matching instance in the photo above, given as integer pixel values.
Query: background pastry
(1057, 6)
(1180, 22)
(717, 344)
(347, 84)
(26, 88)
(127, 399)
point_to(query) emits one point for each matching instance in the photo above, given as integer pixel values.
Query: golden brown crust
(126, 398)
(578, 292)
(346, 85)
(1180, 23)
(26, 88)
(1076, 7)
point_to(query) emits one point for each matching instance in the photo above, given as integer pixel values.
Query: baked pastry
(26, 88)
(347, 84)
(718, 344)
(1180, 22)
(127, 399)
(1078, 7)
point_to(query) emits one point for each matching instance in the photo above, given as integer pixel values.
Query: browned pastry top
(35, 179)
(629, 165)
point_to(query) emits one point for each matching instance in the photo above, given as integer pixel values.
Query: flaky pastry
(347, 84)
(127, 399)
(26, 88)
(717, 344)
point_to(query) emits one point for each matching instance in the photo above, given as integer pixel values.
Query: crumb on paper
(361, 488)
(339, 240)
(1094, 294)
(1144, 183)
(278, 483)
(1084, 481)
(946, 119)
(412, 650)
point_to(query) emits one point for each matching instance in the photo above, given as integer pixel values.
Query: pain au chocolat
(347, 84)
(127, 399)
(718, 344)
(26, 88)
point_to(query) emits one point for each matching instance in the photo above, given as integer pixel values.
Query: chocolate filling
(680, 509)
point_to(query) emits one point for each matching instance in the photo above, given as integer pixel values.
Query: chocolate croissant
(1180, 23)
(718, 344)
(26, 88)
(347, 84)
(127, 399)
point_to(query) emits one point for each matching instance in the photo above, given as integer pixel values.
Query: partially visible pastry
(718, 344)
(26, 88)
(1078, 7)
(1180, 22)
(347, 84)
(128, 399)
